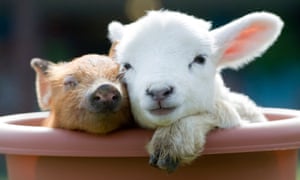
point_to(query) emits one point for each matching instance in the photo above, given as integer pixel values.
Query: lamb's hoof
(169, 164)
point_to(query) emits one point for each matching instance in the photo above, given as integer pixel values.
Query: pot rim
(21, 135)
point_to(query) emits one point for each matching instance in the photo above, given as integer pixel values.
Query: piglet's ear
(240, 41)
(43, 88)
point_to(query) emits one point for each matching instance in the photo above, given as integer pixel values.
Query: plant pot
(255, 151)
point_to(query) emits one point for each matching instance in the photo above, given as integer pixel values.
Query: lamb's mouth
(162, 111)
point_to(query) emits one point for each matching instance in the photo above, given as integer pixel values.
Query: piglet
(83, 94)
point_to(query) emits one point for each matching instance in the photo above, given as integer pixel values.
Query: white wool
(161, 47)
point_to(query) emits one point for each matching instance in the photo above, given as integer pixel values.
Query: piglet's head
(83, 94)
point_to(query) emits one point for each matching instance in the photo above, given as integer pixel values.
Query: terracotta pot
(256, 151)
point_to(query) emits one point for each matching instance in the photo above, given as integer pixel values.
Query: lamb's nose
(159, 93)
(105, 98)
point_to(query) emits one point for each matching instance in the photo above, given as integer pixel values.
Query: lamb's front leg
(181, 142)
(246, 108)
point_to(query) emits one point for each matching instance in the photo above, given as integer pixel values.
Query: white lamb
(171, 64)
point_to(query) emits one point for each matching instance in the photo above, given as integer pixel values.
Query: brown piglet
(83, 94)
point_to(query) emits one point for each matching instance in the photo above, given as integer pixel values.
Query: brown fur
(68, 107)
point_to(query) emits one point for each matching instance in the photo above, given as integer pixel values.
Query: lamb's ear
(43, 88)
(248, 37)
(115, 34)
(115, 31)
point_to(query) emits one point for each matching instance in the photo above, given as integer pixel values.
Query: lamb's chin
(161, 117)
(162, 111)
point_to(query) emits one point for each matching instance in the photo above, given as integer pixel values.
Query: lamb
(171, 64)
(83, 94)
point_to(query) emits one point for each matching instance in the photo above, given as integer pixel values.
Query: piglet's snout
(105, 98)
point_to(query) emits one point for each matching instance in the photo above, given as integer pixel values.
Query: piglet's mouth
(162, 111)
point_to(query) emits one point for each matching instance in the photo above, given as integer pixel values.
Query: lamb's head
(170, 61)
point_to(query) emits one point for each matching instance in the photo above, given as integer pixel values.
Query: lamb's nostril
(161, 93)
(149, 92)
(168, 91)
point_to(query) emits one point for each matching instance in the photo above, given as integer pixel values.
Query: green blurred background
(60, 30)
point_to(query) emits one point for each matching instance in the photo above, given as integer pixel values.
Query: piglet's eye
(120, 76)
(70, 82)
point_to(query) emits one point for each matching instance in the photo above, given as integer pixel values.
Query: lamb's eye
(127, 66)
(199, 59)
(70, 82)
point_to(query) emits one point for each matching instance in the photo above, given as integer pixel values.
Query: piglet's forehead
(89, 67)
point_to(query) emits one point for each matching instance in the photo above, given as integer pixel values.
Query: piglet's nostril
(116, 97)
(105, 98)
(96, 98)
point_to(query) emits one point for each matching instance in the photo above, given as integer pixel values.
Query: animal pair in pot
(171, 64)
